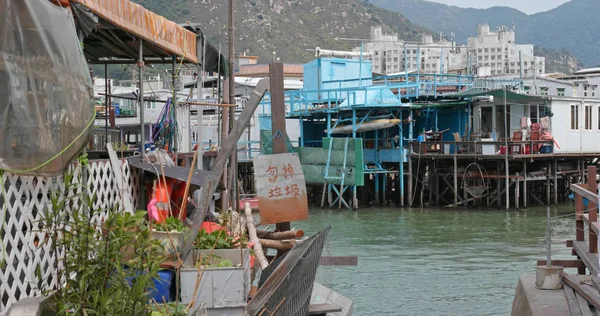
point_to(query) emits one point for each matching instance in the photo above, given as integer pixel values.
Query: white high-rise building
(488, 54)
(497, 54)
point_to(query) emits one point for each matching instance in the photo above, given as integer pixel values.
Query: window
(575, 90)
(536, 112)
(588, 118)
(526, 89)
(585, 90)
(593, 88)
(599, 118)
(479, 50)
(150, 105)
(544, 90)
(560, 92)
(574, 117)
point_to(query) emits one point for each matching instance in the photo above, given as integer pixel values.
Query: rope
(59, 153)
(278, 133)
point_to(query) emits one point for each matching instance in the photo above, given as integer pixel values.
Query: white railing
(23, 202)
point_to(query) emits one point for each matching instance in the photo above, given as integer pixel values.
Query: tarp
(143, 23)
(373, 98)
(46, 107)
(511, 97)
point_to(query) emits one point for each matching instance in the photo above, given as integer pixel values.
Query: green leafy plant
(171, 224)
(101, 268)
(218, 239)
(214, 261)
(169, 309)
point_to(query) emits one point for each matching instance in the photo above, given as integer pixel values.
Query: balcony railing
(483, 148)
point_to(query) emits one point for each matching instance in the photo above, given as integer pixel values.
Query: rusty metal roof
(162, 38)
(262, 70)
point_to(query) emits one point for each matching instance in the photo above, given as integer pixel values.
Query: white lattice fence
(23, 203)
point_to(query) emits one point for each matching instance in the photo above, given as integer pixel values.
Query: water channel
(436, 261)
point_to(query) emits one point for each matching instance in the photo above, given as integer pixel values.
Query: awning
(147, 25)
(499, 94)
(112, 28)
(448, 104)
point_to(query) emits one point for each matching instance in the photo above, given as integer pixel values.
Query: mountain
(558, 60)
(571, 26)
(292, 28)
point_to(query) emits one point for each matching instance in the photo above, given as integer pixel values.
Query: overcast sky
(527, 6)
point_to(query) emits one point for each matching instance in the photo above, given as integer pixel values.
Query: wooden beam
(563, 263)
(572, 300)
(584, 306)
(590, 260)
(594, 226)
(582, 189)
(585, 292)
(339, 261)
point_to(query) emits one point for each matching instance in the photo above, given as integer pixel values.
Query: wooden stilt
(517, 191)
(548, 175)
(455, 180)
(525, 197)
(592, 210)
(410, 182)
(498, 185)
(324, 194)
(436, 178)
(555, 182)
(430, 178)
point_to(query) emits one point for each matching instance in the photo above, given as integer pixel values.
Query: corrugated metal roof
(143, 23)
(289, 70)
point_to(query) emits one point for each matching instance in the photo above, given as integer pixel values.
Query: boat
(366, 126)
(253, 203)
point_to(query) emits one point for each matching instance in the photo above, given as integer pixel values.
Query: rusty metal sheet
(146, 24)
(281, 188)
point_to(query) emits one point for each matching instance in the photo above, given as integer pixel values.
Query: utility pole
(233, 158)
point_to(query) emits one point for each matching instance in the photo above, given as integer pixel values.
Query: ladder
(341, 175)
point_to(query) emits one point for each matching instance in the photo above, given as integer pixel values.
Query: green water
(436, 262)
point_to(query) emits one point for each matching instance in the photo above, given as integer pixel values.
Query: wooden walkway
(582, 291)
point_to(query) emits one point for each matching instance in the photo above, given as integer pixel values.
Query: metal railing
(100, 137)
(515, 148)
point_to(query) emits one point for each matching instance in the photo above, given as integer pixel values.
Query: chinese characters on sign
(281, 188)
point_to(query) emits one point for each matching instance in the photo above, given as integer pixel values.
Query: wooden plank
(583, 305)
(590, 260)
(117, 172)
(594, 226)
(582, 190)
(584, 291)
(339, 261)
(569, 243)
(563, 263)
(323, 309)
(596, 282)
(572, 301)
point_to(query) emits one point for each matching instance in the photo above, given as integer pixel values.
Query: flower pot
(222, 289)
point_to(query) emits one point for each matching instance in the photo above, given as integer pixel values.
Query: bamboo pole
(258, 251)
(187, 184)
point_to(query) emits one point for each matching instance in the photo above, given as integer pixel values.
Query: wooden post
(498, 185)
(592, 210)
(517, 191)
(410, 181)
(548, 175)
(455, 180)
(278, 117)
(430, 180)
(436, 178)
(525, 197)
(556, 183)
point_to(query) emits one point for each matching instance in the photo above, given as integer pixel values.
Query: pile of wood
(283, 241)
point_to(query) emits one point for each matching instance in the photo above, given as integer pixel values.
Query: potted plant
(216, 273)
(170, 235)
